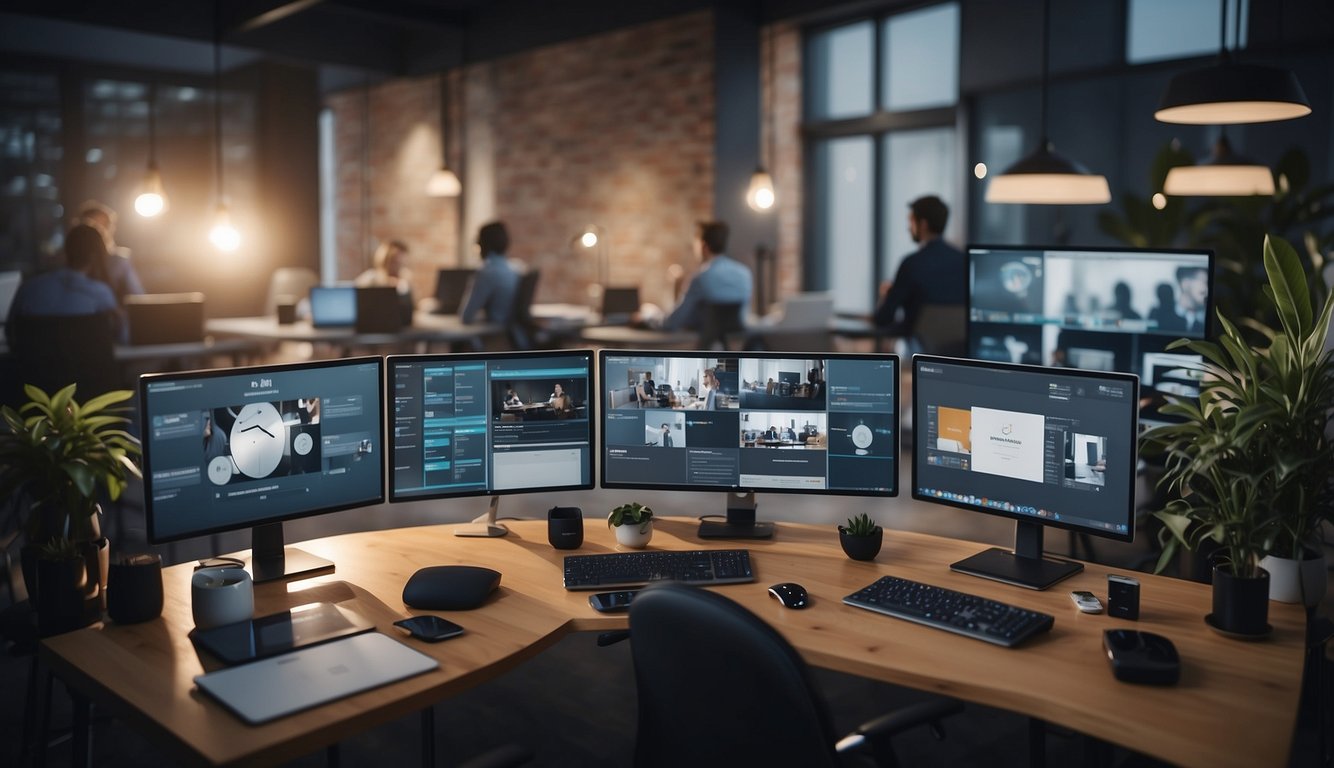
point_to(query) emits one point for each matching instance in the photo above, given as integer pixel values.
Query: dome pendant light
(1045, 177)
(1224, 174)
(444, 182)
(760, 195)
(1229, 93)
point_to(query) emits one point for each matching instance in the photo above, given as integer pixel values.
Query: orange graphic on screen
(953, 427)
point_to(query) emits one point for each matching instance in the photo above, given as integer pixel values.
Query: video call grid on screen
(1030, 443)
(1093, 309)
(226, 449)
(775, 422)
(466, 425)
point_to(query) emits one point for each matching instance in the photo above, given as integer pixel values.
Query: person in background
(666, 436)
(70, 290)
(721, 280)
(115, 269)
(933, 274)
(512, 398)
(560, 401)
(496, 283)
(389, 267)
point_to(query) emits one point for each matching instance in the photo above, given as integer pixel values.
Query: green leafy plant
(633, 513)
(1250, 464)
(860, 525)
(58, 455)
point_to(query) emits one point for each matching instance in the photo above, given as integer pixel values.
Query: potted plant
(1250, 463)
(56, 457)
(861, 537)
(633, 524)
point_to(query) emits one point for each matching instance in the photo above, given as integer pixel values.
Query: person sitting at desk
(72, 290)
(710, 401)
(789, 435)
(560, 402)
(388, 268)
(722, 280)
(497, 282)
(934, 274)
(512, 398)
(647, 392)
(771, 433)
(116, 269)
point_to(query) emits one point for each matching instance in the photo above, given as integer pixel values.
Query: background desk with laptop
(1236, 703)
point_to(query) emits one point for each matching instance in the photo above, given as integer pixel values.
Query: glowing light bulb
(760, 196)
(589, 239)
(224, 236)
(149, 204)
(980, 170)
(1159, 200)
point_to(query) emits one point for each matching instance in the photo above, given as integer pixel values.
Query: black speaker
(134, 589)
(565, 527)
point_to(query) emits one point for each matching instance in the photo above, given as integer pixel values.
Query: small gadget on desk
(1086, 601)
(430, 628)
(790, 595)
(1141, 657)
(565, 527)
(612, 602)
(450, 587)
(1122, 596)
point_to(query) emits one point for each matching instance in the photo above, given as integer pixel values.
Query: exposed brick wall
(787, 163)
(615, 130)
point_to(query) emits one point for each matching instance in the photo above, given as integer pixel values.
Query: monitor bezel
(593, 400)
(1132, 440)
(148, 378)
(898, 420)
(1210, 321)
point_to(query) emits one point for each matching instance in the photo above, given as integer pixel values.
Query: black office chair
(941, 329)
(719, 325)
(522, 329)
(719, 687)
(51, 352)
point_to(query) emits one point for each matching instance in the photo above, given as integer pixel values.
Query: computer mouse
(1141, 657)
(790, 594)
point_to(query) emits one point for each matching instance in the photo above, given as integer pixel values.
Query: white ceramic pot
(634, 536)
(1295, 581)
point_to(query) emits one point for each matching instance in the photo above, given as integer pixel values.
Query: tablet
(259, 638)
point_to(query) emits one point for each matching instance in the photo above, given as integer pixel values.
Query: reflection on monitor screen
(1044, 446)
(1095, 309)
(252, 447)
(741, 423)
(499, 423)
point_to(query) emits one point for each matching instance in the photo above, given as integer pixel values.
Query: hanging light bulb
(444, 182)
(152, 200)
(1223, 174)
(224, 236)
(588, 239)
(760, 196)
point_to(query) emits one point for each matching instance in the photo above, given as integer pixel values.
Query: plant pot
(56, 590)
(1241, 605)
(634, 536)
(861, 547)
(1296, 581)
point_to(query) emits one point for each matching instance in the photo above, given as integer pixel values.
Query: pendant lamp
(1228, 93)
(152, 198)
(1046, 177)
(760, 195)
(444, 182)
(1224, 173)
(223, 234)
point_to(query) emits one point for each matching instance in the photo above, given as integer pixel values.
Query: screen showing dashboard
(234, 448)
(473, 424)
(755, 421)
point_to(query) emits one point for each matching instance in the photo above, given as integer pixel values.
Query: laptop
(382, 309)
(283, 685)
(618, 304)
(451, 286)
(333, 307)
(165, 318)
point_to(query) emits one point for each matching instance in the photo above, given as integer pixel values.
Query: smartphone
(612, 602)
(1086, 601)
(430, 628)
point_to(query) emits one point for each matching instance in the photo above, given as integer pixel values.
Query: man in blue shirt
(723, 280)
(496, 283)
(70, 290)
(934, 274)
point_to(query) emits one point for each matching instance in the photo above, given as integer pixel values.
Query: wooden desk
(425, 327)
(1236, 704)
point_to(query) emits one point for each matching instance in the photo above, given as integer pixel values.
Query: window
(881, 116)
(30, 155)
(1171, 29)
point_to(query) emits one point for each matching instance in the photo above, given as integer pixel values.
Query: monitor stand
(740, 523)
(1025, 566)
(484, 526)
(271, 561)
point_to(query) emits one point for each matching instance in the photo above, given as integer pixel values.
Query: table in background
(626, 337)
(425, 327)
(1236, 704)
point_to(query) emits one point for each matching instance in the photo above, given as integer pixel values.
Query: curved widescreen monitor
(1104, 309)
(251, 447)
(1047, 447)
(490, 424)
(745, 422)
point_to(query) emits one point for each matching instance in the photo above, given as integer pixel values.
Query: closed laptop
(451, 285)
(333, 306)
(165, 318)
(382, 309)
(618, 304)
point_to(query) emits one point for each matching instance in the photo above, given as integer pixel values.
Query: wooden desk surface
(1236, 703)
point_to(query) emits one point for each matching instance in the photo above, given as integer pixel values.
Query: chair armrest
(507, 756)
(881, 728)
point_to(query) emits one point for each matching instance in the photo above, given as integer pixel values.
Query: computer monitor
(1107, 309)
(333, 306)
(724, 424)
(252, 447)
(490, 424)
(1047, 447)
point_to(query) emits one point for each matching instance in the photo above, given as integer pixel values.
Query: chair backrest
(522, 328)
(451, 287)
(718, 323)
(293, 283)
(53, 351)
(717, 686)
(941, 329)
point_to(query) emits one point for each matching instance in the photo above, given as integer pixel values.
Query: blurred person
(933, 274)
(115, 269)
(70, 290)
(721, 279)
(497, 282)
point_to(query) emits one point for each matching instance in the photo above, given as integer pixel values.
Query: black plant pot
(59, 595)
(1241, 605)
(861, 547)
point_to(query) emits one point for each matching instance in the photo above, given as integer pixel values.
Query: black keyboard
(628, 569)
(959, 612)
